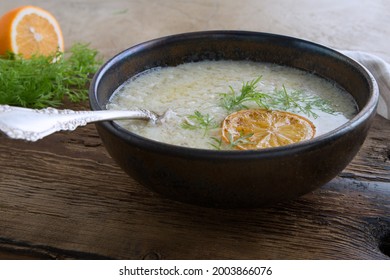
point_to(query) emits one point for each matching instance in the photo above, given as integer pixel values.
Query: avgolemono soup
(233, 104)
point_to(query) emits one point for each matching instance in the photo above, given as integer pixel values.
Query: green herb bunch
(296, 101)
(199, 121)
(234, 101)
(46, 81)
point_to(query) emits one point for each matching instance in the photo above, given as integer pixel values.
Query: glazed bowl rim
(160, 147)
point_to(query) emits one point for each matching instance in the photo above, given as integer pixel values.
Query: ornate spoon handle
(32, 124)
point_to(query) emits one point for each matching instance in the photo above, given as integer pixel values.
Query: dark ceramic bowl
(232, 179)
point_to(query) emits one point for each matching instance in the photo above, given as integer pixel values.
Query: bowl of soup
(250, 118)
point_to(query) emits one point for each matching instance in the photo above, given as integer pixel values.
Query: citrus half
(260, 128)
(30, 30)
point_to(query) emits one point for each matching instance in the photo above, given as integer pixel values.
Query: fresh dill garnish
(243, 139)
(216, 143)
(298, 101)
(199, 121)
(234, 101)
(45, 81)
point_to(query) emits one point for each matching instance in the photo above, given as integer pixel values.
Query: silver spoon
(34, 124)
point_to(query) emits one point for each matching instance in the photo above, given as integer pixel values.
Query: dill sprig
(234, 101)
(216, 143)
(45, 81)
(296, 101)
(299, 102)
(199, 121)
(243, 139)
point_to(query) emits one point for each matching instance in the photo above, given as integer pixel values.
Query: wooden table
(64, 198)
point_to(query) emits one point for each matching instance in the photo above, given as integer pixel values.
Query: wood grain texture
(65, 198)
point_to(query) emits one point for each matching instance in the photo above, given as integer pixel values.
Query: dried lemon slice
(260, 128)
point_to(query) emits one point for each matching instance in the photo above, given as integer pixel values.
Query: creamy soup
(200, 95)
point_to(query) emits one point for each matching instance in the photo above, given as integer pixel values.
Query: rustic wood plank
(64, 197)
(373, 161)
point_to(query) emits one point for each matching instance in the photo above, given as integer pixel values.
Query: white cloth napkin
(380, 69)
